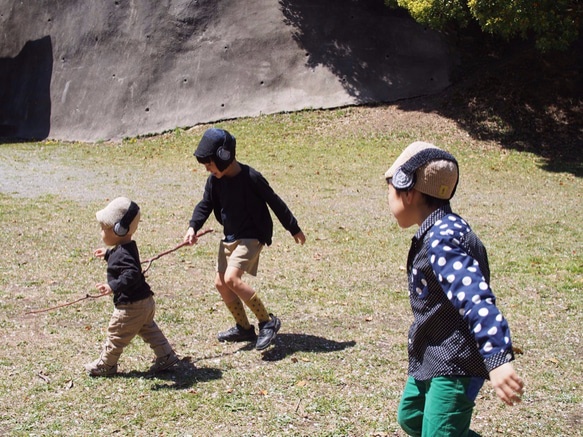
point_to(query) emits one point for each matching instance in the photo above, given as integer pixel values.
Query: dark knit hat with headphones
(216, 145)
(426, 168)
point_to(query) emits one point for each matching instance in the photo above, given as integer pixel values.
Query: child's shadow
(182, 376)
(288, 344)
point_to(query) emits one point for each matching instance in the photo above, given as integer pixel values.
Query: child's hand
(99, 253)
(508, 385)
(300, 238)
(105, 289)
(190, 236)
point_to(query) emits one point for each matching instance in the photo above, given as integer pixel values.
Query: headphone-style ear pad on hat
(402, 180)
(404, 177)
(122, 227)
(223, 153)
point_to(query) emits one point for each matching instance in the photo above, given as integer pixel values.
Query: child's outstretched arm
(508, 385)
(300, 238)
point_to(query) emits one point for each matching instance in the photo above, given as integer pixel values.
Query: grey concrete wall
(95, 70)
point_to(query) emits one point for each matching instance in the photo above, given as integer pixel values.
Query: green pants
(439, 407)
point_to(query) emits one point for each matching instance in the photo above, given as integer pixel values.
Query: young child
(238, 195)
(458, 337)
(132, 297)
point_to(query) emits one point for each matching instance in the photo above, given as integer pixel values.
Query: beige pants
(129, 320)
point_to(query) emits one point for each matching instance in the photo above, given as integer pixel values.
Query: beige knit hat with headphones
(435, 176)
(113, 214)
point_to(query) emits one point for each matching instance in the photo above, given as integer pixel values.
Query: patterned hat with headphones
(217, 145)
(426, 168)
(122, 215)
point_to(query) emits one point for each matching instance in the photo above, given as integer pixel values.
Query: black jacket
(240, 205)
(124, 274)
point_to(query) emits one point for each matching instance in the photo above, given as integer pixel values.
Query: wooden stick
(95, 296)
(166, 252)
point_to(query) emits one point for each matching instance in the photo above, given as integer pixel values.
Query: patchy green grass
(339, 363)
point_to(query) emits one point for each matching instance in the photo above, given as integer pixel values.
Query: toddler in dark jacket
(134, 305)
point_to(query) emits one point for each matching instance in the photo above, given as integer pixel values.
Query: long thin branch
(166, 252)
(96, 296)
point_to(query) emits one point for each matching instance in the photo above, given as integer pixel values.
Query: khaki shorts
(242, 254)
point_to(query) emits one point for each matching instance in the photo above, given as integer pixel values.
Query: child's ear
(412, 196)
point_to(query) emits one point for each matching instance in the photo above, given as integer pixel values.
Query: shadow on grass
(525, 101)
(185, 374)
(180, 377)
(289, 344)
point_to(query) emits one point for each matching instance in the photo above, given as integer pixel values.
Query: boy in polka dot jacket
(458, 337)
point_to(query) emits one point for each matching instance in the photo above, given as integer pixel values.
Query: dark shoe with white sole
(238, 333)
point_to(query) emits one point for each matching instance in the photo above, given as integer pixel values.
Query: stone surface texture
(84, 70)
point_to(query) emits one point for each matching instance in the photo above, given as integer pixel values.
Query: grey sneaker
(164, 363)
(238, 333)
(99, 368)
(267, 332)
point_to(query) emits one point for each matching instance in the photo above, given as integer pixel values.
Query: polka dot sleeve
(467, 288)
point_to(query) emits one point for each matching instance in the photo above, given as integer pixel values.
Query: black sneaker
(238, 333)
(267, 332)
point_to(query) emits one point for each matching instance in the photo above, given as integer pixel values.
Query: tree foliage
(553, 24)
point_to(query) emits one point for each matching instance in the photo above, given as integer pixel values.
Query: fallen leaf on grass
(553, 360)
(302, 383)
(262, 392)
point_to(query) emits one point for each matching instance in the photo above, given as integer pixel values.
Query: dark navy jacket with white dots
(457, 330)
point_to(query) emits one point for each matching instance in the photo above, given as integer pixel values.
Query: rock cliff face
(96, 70)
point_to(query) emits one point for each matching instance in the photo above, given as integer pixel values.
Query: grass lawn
(339, 364)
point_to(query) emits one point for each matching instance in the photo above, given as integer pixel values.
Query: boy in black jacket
(132, 297)
(238, 196)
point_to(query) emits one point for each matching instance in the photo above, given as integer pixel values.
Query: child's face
(400, 207)
(212, 168)
(108, 236)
